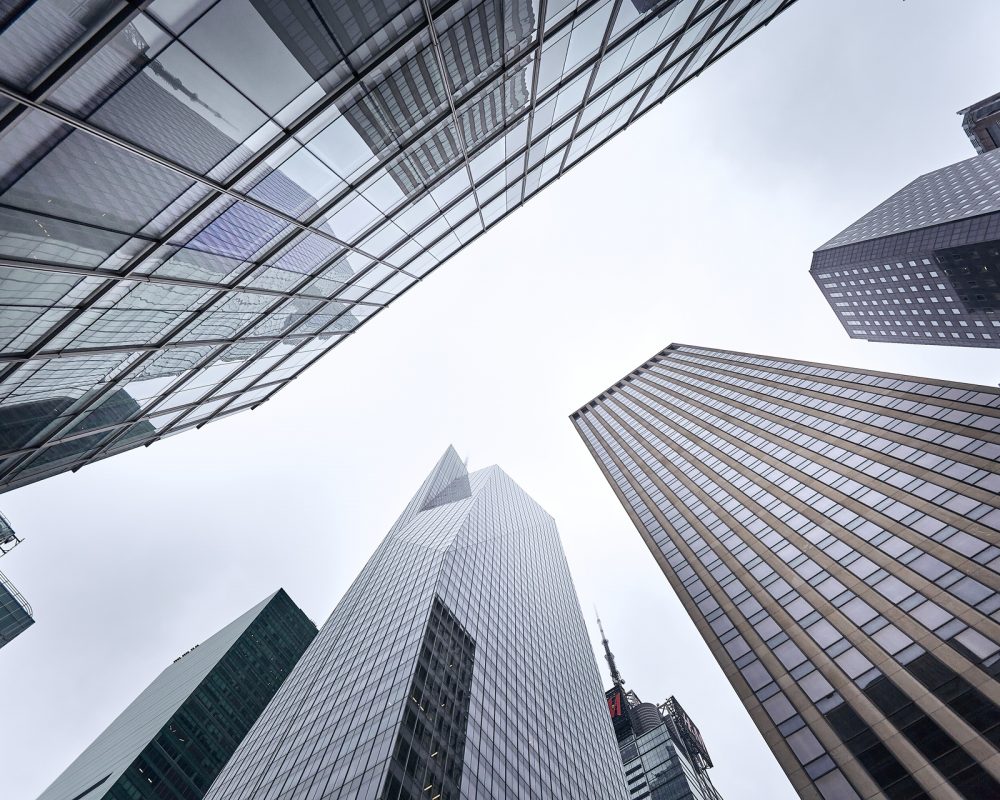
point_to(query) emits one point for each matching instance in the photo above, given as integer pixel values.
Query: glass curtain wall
(199, 199)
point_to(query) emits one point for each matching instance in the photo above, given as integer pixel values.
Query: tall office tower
(196, 203)
(664, 755)
(173, 739)
(833, 535)
(457, 665)
(981, 123)
(15, 613)
(923, 267)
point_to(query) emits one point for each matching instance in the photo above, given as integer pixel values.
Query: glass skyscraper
(833, 534)
(457, 665)
(924, 266)
(199, 199)
(663, 752)
(173, 739)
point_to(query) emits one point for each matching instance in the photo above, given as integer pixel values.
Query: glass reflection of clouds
(226, 189)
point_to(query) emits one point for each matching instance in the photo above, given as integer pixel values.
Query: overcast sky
(696, 225)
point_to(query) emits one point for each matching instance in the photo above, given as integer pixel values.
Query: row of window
(847, 657)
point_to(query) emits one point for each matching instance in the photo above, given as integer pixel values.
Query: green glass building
(175, 737)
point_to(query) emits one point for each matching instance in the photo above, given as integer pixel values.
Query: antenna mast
(615, 675)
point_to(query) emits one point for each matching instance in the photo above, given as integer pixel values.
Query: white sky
(695, 226)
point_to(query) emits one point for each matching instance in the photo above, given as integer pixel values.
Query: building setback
(924, 266)
(195, 206)
(664, 755)
(15, 613)
(457, 665)
(173, 739)
(833, 534)
(981, 123)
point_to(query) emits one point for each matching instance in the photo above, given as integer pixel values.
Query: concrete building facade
(833, 534)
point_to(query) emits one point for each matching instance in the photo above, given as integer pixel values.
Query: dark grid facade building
(658, 763)
(981, 123)
(457, 665)
(15, 613)
(173, 739)
(833, 535)
(196, 203)
(924, 266)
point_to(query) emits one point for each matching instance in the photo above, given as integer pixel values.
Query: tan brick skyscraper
(833, 534)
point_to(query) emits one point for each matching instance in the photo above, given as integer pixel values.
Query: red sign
(615, 705)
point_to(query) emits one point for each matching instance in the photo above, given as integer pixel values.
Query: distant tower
(15, 613)
(8, 538)
(923, 267)
(981, 122)
(661, 748)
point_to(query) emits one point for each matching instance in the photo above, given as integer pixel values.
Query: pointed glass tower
(457, 665)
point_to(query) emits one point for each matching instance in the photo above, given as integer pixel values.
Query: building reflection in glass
(198, 200)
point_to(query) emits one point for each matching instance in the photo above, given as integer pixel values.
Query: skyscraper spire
(615, 675)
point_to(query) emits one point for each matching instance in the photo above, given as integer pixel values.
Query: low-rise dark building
(175, 737)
